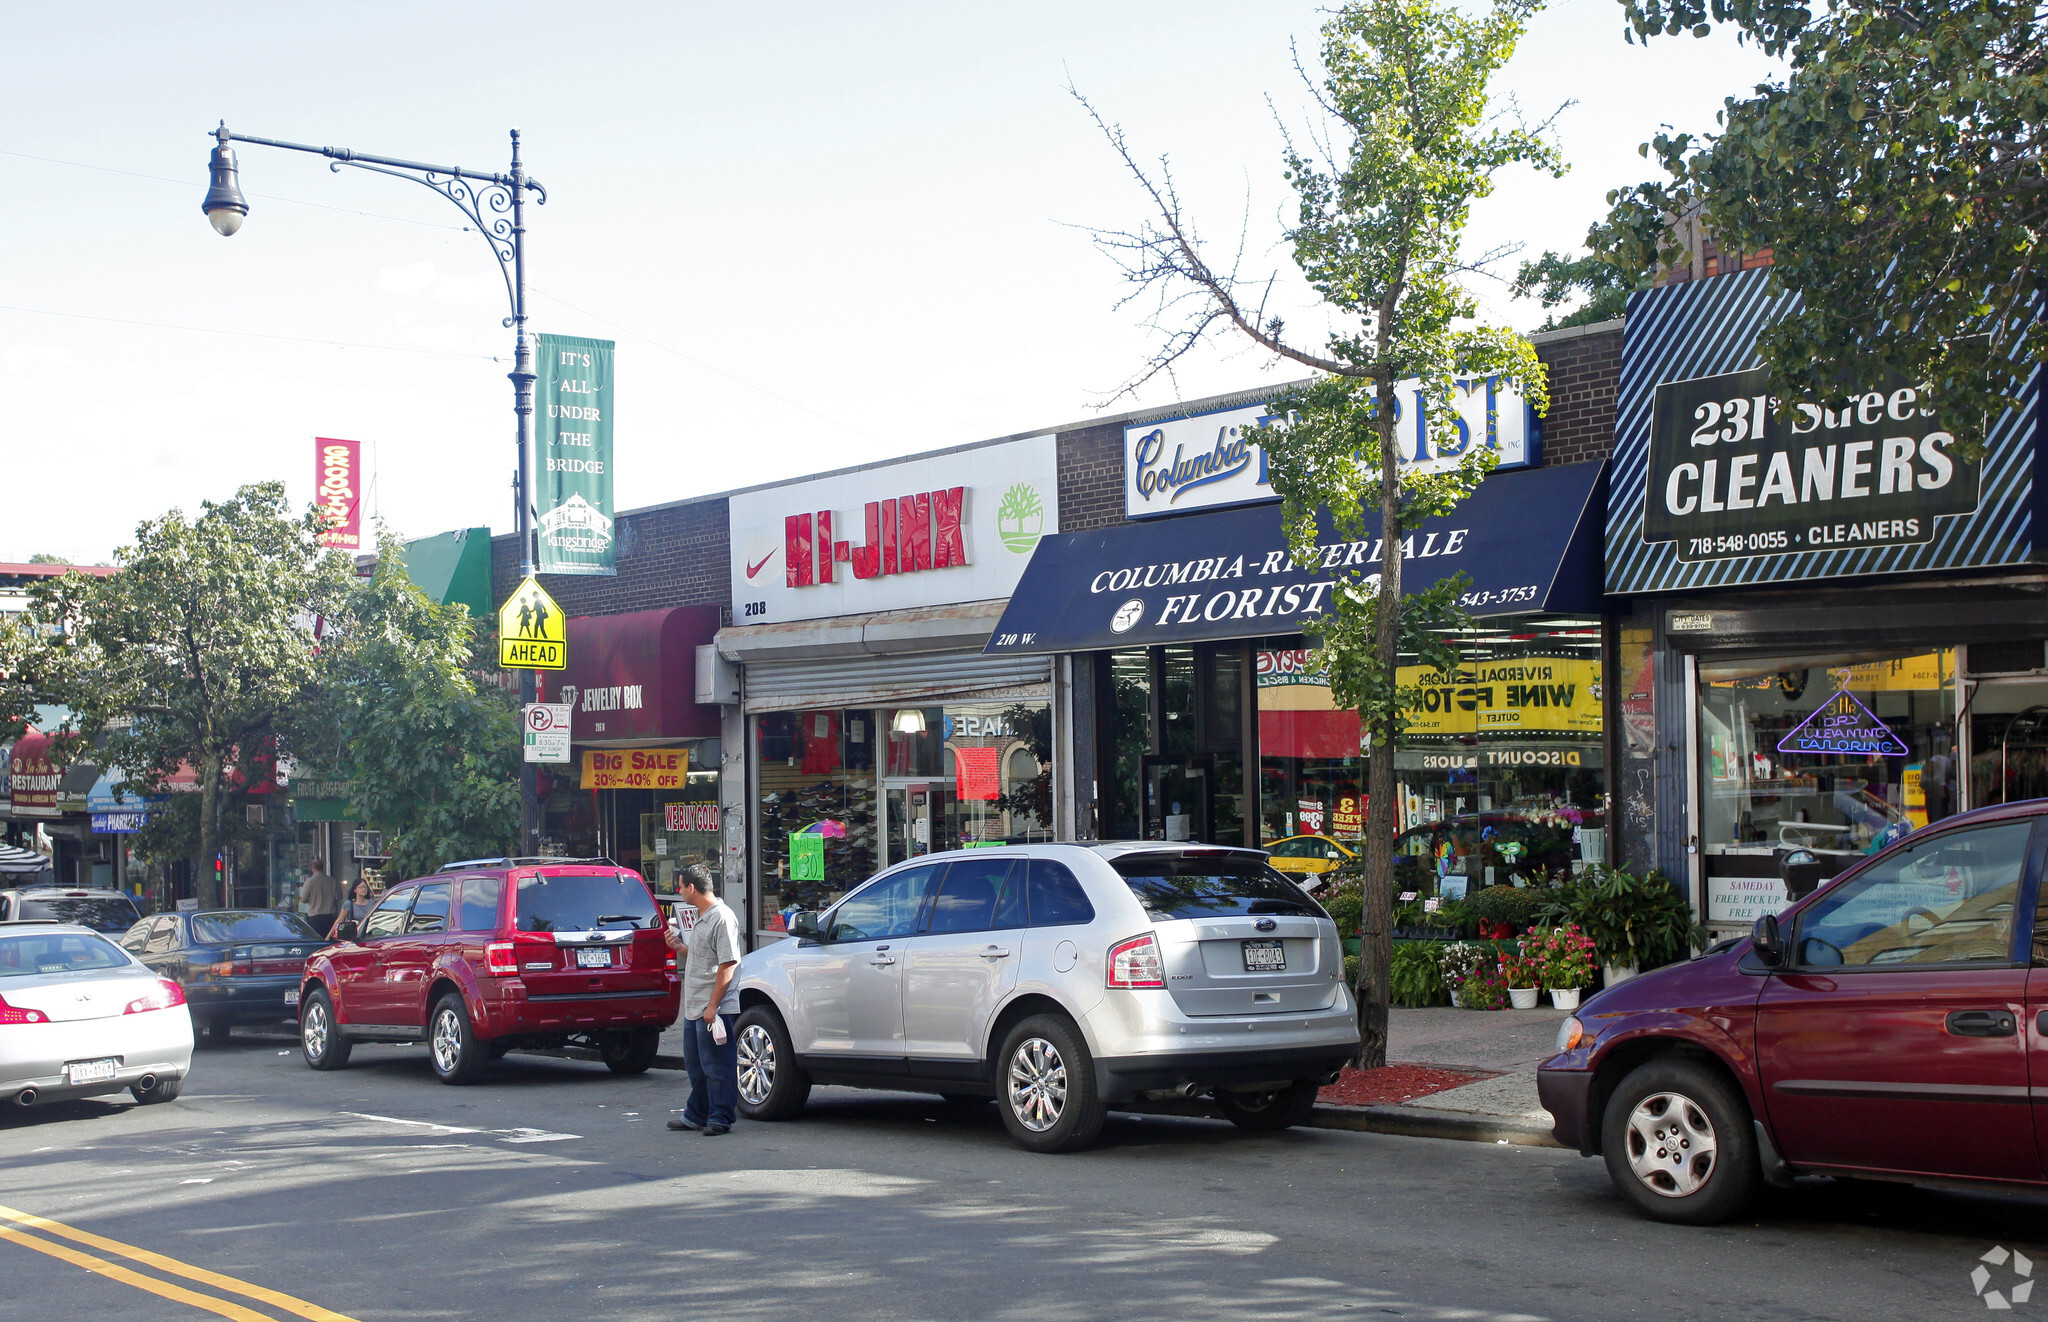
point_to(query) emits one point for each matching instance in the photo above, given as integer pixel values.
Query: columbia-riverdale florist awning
(1530, 541)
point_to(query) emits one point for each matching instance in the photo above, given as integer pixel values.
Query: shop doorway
(920, 815)
(1177, 802)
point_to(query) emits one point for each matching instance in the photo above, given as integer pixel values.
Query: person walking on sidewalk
(320, 896)
(711, 963)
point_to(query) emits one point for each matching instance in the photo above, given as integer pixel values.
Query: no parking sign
(547, 731)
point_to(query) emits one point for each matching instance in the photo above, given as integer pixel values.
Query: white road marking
(518, 1135)
(207, 1180)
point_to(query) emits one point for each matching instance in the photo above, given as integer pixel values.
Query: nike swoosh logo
(755, 568)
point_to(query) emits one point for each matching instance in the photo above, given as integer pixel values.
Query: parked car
(81, 1017)
(237, 966)
(1882, 1028)
(1061, 979)
(1310, 856)
(486, 957)
(96, 907)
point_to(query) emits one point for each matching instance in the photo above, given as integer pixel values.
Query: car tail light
(166, 995)
(1136, 963)
(231, 967)
(501, 959)
(12, 1014)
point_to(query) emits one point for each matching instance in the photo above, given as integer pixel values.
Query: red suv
(496, 954)
(1893, 1026)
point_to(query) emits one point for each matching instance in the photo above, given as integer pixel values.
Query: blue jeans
(714, 1073)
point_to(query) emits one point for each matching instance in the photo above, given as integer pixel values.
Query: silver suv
(1061, 979)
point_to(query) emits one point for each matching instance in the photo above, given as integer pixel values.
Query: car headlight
(1571, 1034)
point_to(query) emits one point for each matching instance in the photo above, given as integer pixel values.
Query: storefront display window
(876, 786)
(1834, 755)
(681, 827)
(1177, 760)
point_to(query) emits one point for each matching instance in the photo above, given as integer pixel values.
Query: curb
(1421, 1122)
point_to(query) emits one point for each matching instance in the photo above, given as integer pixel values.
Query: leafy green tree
(430, 751)
(1896, 172)
(1554, 279)
(199, 653)
(1408, 146)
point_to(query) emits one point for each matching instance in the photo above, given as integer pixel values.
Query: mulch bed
(1392, 1084)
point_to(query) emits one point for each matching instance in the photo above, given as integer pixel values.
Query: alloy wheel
(313, 1032)
(1671, 1144)
(757, 1064)
(447, 1042)
(1038, 1084)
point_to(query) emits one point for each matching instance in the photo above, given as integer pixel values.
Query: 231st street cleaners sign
(1736, 473)
(573, 448)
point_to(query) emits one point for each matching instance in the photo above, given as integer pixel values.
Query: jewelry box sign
(1736, 473)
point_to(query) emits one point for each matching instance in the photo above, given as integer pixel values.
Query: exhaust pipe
(26, 1097)
(145, 1083)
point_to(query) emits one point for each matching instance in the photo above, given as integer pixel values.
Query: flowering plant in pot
(1485, 988)
(1459, 961)
(1521, 968)
(1567, 959)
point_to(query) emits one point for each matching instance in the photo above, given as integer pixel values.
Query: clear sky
(820, 233)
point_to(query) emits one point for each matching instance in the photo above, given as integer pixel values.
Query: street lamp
(495, 207)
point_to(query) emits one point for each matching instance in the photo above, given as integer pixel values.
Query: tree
(1896, 173)
(1377, 236)
(45, 558)
(430, 754)
(1555, 278)
(199, 653)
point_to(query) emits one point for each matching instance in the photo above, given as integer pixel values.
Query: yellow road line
(275, 1298)
(175, 1293)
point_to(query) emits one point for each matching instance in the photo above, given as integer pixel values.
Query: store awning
(632, 679)
(1530, 542)
(454, 567)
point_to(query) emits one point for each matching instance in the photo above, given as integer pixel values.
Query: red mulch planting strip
(1391, 1084)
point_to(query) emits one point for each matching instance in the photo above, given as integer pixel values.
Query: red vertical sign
(338, 491)
(976, 772)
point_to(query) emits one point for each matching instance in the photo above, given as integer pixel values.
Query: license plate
(291, 997)
(1265, 957)
(598, 958)
(91, 1071)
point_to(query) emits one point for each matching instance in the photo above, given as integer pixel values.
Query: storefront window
(1130, 679)
(1836, 755)
(681, 827)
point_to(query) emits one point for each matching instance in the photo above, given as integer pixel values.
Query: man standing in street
(320, 897)
(711, 962)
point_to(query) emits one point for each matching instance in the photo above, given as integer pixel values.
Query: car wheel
(1046, 1086)
(1678, 1143)
(319, 1039)
(1272, 1110)
(772, 1087)
(164, 1090)
(451, 1043)
(631, 1051)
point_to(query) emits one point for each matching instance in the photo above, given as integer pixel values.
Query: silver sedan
(81, 1017)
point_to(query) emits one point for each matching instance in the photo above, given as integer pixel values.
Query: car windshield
(250, 925)
(102, 913)
(58, 952)
(1198, 886)
(584, 903)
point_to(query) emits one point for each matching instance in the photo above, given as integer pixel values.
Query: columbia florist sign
(573, 451)
(636, 768)
(338, 492)
(953, 527)
(1175, 465)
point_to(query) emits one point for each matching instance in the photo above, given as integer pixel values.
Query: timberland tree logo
(2019, 1287)
(1020, 518)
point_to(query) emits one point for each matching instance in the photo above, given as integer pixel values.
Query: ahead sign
(532, 635)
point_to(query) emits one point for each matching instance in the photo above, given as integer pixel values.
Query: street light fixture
(494, 205)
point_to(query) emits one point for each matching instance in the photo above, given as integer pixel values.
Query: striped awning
(22, 860)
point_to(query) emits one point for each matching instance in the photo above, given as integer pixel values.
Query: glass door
(921, 815)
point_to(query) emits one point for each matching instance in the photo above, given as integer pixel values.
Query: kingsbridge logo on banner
(1210, 459)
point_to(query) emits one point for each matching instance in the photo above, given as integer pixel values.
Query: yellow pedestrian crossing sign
(532, 635)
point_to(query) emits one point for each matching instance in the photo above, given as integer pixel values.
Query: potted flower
(1459, 961)
(1485, 987)
(1567, 964)
(1522, 970)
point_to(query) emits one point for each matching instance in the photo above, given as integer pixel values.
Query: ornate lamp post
(495, 205)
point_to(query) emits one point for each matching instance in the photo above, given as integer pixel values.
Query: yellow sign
(1929, 670)
(635, 768)
(532, 634)
(1552, 695)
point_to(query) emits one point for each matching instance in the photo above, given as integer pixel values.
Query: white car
(80, 1017)
(1060, 979)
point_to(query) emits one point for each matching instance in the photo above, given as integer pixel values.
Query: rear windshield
(102, 913)
(250, 925)
(1183, 886)
(584, 903)
(58, 952)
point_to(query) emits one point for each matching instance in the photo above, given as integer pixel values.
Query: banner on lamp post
(573, 455)
(338, 492)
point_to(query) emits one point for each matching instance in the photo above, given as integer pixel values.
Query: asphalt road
(552, 1190)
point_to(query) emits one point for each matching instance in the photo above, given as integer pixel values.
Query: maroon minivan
(493, 955)
(1882, 1028)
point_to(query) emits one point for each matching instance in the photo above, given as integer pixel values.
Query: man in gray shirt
(711, 961)
(321, 897)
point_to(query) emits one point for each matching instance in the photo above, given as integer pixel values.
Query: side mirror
(346, 930)
(1768, 941)
(804, 925)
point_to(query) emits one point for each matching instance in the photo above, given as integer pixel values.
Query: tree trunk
(1376, 948)
(209, 835)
